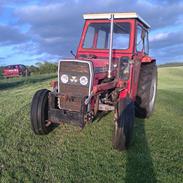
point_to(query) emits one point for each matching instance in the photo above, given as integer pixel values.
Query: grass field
(70, 155)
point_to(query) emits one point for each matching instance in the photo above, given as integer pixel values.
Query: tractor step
(105, 107)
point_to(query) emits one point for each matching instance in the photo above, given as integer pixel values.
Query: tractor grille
(73, 92)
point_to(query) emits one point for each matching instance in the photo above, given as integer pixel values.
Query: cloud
(55, 26)
(10, 35)
(164, 40)
(158, 37)
(2, 58)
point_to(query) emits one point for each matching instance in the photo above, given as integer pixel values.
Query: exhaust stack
(110, 46)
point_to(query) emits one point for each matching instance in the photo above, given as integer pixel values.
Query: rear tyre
(39, 113)
(123, 128)
(147, 89)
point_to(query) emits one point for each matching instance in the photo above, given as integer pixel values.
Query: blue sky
(40, 30)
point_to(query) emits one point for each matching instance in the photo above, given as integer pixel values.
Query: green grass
(69, 154)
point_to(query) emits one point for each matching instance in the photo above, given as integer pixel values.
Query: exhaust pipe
(110, 46)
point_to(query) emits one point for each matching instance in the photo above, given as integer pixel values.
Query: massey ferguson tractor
(111, 71)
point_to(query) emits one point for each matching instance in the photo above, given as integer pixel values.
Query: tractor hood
(71, 71)
(101, 65)
(99, 62)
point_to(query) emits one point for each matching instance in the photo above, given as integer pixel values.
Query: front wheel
(39, 113)
(123, 125)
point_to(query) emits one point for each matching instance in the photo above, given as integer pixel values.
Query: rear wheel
(123, 128)
(146, 94)
(39, 113)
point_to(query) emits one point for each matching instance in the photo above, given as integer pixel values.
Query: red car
(15, 71)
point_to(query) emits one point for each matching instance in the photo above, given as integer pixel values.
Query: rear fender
(147, 59)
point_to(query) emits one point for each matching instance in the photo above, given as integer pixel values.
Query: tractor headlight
(64, 78)
(83, 80)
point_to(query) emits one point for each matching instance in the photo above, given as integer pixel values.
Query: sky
(33, 31)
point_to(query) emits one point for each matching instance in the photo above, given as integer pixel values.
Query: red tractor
(112, 71)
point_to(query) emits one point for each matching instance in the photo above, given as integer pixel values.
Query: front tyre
(39, 113)
(123, 128)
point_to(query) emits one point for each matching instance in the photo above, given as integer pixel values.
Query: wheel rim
(115, 121)
(152, 94)
(45, 109)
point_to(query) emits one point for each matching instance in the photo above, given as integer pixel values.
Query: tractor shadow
(139, 167)
(139, 163)
(15, 82)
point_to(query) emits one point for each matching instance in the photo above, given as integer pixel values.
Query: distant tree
(33, 69)
(172, 64)
(1, 72)
(47, 67)
(43, 67)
